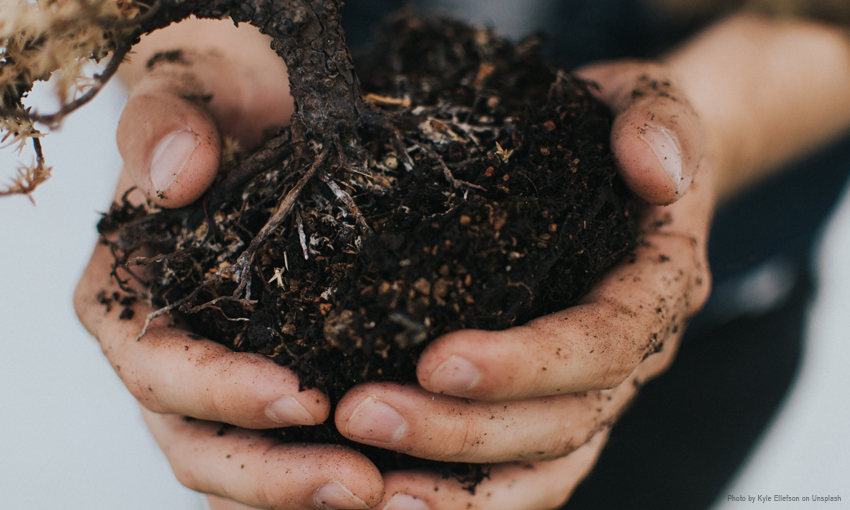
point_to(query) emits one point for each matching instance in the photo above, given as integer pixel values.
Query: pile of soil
(491, 199)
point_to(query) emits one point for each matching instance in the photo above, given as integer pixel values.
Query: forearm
(767, 91)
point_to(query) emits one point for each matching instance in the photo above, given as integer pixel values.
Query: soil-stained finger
(171, 370)
(641, 306)
(261, 472)
(657, 138)
(512, 486)
(408, 419)
(639, 309)
(169, 133)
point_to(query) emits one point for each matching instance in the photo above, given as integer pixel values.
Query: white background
(71, 437)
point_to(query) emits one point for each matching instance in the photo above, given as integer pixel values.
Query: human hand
(170, 138)
(741, 49)
(529, 397)
(520, 439)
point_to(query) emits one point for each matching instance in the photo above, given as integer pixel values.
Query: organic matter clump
(486, 197)
(464, 183)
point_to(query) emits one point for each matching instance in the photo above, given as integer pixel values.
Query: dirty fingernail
(287, 411)
(378, 421)
(401, 501)
(170, 158)
(335, 495)
(666, 149)
(455, 375)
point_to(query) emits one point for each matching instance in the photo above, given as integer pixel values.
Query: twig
(346, 199)
(100, 81)
(138, 20)
(302, 237)
(386, 101)
(242, 266)
(39, 153)
(146, 261)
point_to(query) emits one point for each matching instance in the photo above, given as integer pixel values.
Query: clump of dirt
(490, 199)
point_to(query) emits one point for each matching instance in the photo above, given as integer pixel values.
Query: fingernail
(170, 157)
(455, 375)
(334, 495)
(288, 412)
(667, 150)
(401, 501)
(374, 420)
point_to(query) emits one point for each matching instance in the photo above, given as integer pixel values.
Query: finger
(656, 137)
(408, 419)
(632, 314)
(170, 370)
(515, 486)
(261, 472)
(637, 310)
(169, 131)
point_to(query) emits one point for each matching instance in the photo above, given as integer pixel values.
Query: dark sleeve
(360, 18)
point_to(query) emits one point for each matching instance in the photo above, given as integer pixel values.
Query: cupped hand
(170, 136)
(539, 392)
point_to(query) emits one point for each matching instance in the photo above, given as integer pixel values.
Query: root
(168, 309)
(456, 183)
(346, 199)
(242, 268)
(272, 153)
(302, 237)
(378, 119)
(122, 284)
(158, 259)
(247, 303)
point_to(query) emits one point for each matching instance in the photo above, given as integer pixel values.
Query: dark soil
(490, 199)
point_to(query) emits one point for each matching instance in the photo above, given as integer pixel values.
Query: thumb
(656, 137)
(170, 131)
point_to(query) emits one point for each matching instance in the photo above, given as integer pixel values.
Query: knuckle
(626, 350)
(461, 442)
(267, 495)
(663, 363)
(215, 403)
(81, 302)
(698, 285)
(628, 353)
(702, 285)
(144, 393)
(186, 475)
(565, 444)
(556, 497)
(617, 373)
(219, 405)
